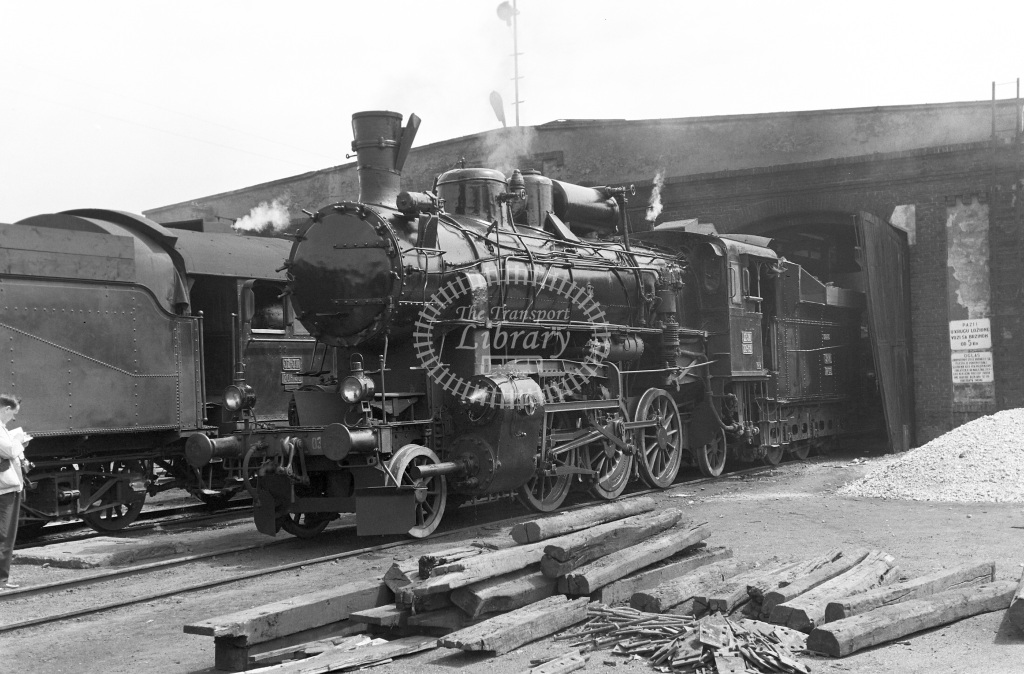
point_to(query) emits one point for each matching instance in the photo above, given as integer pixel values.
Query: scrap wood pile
(673, 643)
(571, 565)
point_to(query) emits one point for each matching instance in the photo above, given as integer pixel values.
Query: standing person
(12, 461)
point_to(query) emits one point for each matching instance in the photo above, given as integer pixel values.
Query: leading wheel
(545, 493)
(431, 493)
(304, 525)
(112, 494)
(802, 449)
(711, 457)
(660, 445)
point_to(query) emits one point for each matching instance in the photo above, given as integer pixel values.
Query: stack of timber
(276, 631)
(474, 599)
(500, 600)
(845, 600)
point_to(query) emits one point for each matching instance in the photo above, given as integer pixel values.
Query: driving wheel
(661, 444)
(545, 493)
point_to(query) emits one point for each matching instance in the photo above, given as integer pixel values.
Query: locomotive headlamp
(357, 386)
(239, 397)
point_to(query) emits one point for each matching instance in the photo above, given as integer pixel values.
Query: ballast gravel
(981, 461)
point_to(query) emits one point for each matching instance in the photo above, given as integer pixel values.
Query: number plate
(291, 363)
(290, 378)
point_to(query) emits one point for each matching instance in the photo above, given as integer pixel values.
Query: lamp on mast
(508, 13)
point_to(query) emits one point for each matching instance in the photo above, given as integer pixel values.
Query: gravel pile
(983, 460)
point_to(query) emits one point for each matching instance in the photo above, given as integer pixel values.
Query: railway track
(162, 517)
(121, 574)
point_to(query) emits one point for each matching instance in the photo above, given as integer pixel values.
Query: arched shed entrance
(861, 252)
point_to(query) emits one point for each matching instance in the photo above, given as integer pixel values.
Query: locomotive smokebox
(381, 147)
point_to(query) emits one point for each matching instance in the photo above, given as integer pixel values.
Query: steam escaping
(511, 146)
(266, 216)
(654, 205)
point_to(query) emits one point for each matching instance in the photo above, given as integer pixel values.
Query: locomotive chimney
(381, 146)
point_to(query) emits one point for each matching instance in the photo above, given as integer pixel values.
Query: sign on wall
(972, 367)
(975, 333)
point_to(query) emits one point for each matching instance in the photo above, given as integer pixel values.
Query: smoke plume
(511, 146)
(266, 216)
(654, 205)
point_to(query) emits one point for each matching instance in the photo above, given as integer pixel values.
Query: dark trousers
(10, 504)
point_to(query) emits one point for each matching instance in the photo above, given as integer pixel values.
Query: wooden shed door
(883, 257)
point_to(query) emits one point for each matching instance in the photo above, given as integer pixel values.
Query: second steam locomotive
(502, 335)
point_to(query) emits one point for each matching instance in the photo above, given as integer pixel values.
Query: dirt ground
(790, 512)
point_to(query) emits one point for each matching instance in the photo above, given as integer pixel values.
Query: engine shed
(916, 207)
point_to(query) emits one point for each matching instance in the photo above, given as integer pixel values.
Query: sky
(135, 105)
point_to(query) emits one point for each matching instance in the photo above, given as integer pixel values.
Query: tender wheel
(110, 495)
(661, 445)
(431, 493)
(802, 449)
(773, 456)
(546, 493)
(711, 457)
(304, 525)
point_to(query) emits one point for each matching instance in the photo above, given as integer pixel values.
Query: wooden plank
(807, 610)
(234, 655)
(732, 593)
(446, 620)
(574, 550)
(625, 588)
(843, 637)
(384, 616)
(785, 577)
(406, 571)
(437, 563)
(474, 570)
(1016, 611)
(590, 577)
(304, 650)
(569, 662)
(842, 563)
(504, 593)
(296, 614)
(677, 590)
(492, 564)
(505, 632)
(940, 581)
(566, 523)
(338, 659)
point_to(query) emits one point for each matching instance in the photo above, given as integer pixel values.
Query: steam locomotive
(122, 335)
(511, 335)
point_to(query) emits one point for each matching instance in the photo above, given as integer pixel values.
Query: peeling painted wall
(969, 288)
